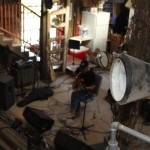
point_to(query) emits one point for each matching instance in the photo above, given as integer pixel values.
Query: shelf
(57, 45)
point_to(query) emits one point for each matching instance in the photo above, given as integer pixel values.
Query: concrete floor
(57, 107)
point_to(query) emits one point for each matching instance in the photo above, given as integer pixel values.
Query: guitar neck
(51, 70)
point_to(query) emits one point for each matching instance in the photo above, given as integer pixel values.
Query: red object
(82, 53)
(77, 30)
(60, 33)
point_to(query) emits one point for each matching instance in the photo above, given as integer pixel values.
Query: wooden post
(43, 41)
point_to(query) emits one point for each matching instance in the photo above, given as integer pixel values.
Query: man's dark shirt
(88, 78)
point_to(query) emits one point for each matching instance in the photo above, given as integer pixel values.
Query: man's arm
(92, 87)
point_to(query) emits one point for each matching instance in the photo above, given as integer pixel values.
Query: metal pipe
(113, 144)
(132, 132)
(113, 134)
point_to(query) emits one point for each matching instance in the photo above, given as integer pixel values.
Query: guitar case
(36, 94)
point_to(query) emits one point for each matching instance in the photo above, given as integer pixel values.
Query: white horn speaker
(129, 79)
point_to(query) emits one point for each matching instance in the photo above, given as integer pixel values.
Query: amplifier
(23, 73)
(38, 119)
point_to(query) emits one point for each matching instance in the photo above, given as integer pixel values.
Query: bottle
(85, 31)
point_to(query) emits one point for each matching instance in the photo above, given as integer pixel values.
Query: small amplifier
(38, 119)
(23, 72)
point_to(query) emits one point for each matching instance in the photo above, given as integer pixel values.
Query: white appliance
(98, 26)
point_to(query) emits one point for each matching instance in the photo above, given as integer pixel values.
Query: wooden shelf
(60, 41)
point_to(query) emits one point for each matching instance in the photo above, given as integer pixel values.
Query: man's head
(84, 64)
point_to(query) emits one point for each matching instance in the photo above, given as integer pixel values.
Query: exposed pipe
(113, 144)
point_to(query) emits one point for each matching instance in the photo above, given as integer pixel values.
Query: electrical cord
(4, 128)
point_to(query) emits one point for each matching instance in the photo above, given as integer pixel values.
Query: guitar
(77, 83)
(52, 72)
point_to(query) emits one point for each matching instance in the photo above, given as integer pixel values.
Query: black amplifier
(38, 119)
(23, 72)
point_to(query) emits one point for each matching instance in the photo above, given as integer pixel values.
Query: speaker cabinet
(7, 95)
(64, 141)
(38, 119)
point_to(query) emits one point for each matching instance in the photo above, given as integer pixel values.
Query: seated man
(85, 89)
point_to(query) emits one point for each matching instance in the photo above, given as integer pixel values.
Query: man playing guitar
(83, 87)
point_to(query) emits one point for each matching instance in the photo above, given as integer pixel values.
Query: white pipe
(117, 125)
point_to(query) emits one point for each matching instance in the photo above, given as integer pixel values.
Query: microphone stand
(34, 72)
(73, 59)
(22, 92)
(83, 128)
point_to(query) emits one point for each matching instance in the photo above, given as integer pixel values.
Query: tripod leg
(83, 134)
(89, 126)
(85, 128)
